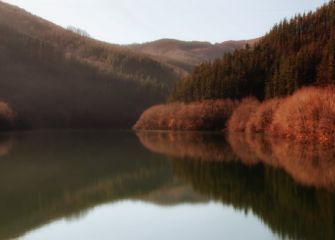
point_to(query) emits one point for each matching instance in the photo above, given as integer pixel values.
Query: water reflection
(200, 146)
(6, 143)
(289, 186)
(311, 165)
(308, 164)
(46, 176)
(142, 220)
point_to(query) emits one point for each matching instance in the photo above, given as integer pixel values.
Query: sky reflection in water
(139, 220)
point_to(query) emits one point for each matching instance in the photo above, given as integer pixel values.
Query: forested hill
(53, 77)
(107, 57)
(295, 53)
(186, 55)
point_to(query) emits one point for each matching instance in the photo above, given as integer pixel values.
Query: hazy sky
(129, 21)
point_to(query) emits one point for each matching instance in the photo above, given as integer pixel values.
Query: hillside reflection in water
(289, 186)
(50, 176)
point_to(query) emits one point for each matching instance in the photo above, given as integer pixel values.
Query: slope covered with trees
(52, 77)
(110, 58)
(295, 53)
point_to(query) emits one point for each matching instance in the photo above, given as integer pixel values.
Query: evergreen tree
(295, 53)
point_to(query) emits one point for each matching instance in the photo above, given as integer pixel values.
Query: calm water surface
(163, 185)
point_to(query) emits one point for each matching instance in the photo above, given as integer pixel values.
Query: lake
(163, 185)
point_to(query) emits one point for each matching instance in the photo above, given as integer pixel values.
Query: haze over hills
(55, 77)
(188, 54)
(111, 58)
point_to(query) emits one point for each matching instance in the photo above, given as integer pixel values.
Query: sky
(138, 21)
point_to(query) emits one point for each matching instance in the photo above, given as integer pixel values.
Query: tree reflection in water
(200, 146)
(290, 186)
(46, 176)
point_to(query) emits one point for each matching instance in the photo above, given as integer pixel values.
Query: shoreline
(306, 116)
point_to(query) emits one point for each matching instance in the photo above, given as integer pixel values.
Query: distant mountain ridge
(188, 54)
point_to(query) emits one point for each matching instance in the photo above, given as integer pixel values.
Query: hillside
(187, 55)
(108, 57)
(53, 77)
(295, 53)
